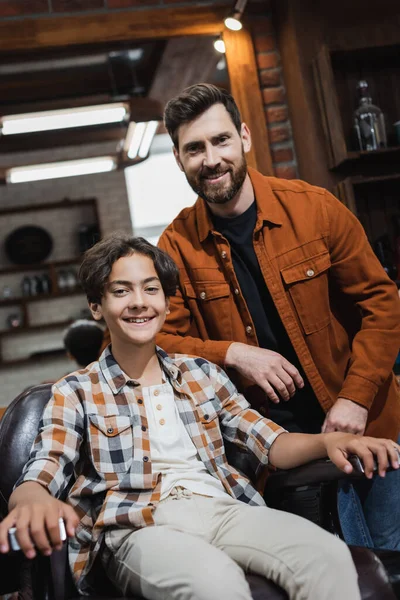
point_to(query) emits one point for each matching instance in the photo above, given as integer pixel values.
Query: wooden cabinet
(368, 181)
(68, 217)
(336, 74)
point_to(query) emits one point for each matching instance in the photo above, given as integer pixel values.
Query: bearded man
(279, 285)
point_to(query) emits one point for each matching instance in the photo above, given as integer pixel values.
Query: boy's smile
(133, 305)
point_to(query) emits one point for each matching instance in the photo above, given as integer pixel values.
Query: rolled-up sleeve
(239, 423)
(55, 450)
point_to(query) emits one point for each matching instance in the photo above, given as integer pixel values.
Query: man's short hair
(193, 102)
(99, 259)
(83, 340)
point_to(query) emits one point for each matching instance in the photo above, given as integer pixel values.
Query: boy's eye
(152, 289)
(119, 292)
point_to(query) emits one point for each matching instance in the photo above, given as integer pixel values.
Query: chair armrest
(315, 472)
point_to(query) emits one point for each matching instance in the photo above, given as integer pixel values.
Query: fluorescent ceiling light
(134, 138)
(151, 129)
(70, 168)
(139, 137)
(83, 116)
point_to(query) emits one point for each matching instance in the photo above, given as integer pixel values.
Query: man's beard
(219, 193)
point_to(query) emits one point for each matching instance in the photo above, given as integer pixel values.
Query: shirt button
(162, 421)
(224, 254)
(140, 401)
(110, 430)
(249, 329)
(310, 272)
(203, 295)
(145, 458)
(159, 407)
(156, 392)
(236, 291)
(143, 428)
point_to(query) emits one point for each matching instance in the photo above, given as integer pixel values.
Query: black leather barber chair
(50, 579)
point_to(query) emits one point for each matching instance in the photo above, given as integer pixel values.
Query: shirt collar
(267, 206)
(117, 379)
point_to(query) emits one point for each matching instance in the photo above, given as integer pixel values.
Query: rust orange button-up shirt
(339, 308)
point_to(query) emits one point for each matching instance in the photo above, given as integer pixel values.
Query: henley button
(206, 417)
(145, 458)
(236, 291)
(224, 254)
(143, 428)
(249, 329)
(156, 392)
(140, 401)
(110, 430)
(159, 406)
(310, 272)
(162, 421)
(202, 295)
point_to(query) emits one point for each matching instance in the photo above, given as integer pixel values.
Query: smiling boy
(139, 435)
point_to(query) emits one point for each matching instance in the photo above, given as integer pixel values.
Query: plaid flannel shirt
(93, 445)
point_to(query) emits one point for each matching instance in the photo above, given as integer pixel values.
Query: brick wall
(273, 89)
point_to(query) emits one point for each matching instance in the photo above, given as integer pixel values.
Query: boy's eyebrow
(129, 283)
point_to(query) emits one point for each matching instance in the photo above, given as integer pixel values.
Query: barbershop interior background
(299, 71)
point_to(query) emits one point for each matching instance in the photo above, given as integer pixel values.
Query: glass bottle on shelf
(369, 122)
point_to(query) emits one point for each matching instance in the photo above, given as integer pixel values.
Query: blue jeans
(369, 511)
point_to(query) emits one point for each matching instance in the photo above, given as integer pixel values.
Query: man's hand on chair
(347, 416)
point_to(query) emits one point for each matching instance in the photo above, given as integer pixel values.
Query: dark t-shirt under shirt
(302, 413)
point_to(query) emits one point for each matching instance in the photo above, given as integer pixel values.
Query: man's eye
(152, 289)
(119, 292)
(223, 139)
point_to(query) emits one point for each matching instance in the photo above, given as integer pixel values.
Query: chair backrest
(18, 429)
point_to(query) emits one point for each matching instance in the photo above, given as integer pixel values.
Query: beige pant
(201, 547)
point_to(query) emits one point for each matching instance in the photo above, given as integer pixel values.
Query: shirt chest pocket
(209, 419)
(308, 285)
(111, 442)
(213, 300)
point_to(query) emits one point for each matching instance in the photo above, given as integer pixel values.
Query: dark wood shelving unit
(40, 266)
(51, 268)
(368, 181)
(30, 328)
(32, 359)
(23, 300)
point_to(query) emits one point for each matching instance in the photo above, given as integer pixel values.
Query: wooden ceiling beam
(53, 32)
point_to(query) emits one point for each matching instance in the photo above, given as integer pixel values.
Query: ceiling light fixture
(68, 168)
(139, 138)
(233, 20)
(83, 116)
(219, 45)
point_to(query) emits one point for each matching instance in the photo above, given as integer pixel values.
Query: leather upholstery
(18, 429)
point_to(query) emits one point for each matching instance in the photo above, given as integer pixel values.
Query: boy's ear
(178, 160)
(96, 311)
(167, 306)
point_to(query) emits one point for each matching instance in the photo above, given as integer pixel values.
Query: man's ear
(178, 160)
(246, 137)
(96, 311)
(167, 306)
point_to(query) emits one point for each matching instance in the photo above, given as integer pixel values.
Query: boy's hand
(340, 445)
(36, 521)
